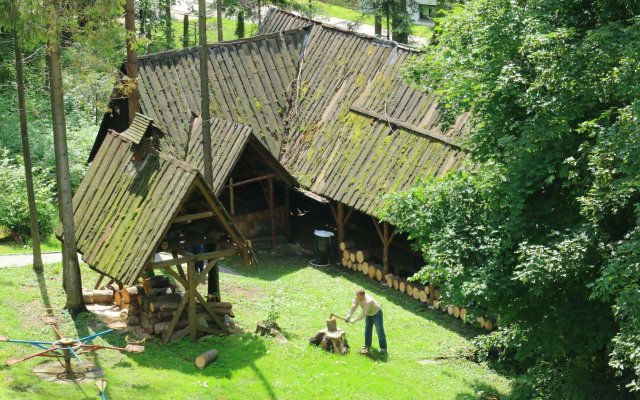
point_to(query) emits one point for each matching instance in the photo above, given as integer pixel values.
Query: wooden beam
(393, 121)
(187, 244)
(180, 279)
(191, 293)
(339, 216)
(251, 180)
(97, 286)
(221, 214)
(287, 215)
(272, 213)
(378, 230)
(209, 311)
(346, 219)
(194, 257)
(385, 249)
(232, 201)
(193, 217)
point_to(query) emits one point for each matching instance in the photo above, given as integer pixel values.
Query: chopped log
(463, 314)
(362, 255)
(416, 292)
(161, 327)
(163, 303)
(436, 294)
(389, 279)
(396, 283)
(131, 293)
(402, 286)
(480, 321)
(443, 307)
(348, 244)
(346, 253)
(372, 271)
(488, 325)
(436, 304)
(364, 269)
(456, 311)
(180, 334)
(408, 289)
(426, 290)
(117, 298)
(352, 257)
(158, 281)
(344, 262)
(97, 296)
(423, 296)
(206, 358)
(450, 309)
(350, 264)
(378, 274)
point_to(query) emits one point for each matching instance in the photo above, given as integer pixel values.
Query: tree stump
(331, 341)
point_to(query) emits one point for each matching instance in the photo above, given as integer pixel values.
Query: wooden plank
(193, 217)
(191, 293)
(251, 180)
(193, 258)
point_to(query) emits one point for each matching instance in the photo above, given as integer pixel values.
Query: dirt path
(20, 260)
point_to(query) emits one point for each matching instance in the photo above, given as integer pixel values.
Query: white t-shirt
(370, 307)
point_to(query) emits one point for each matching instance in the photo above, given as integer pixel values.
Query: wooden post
(232, 202)
(272, 211)
(340, 222)
(185, 31)
(191, 281)
(287, 215)
(213, 283)
(386, 237)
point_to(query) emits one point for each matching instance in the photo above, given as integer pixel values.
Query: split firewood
(100, 296)
(161, 327)
(362, 255)
(206, 358)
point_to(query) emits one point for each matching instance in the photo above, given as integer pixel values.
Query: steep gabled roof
(357, 130)
(124, 206)
(249, 81)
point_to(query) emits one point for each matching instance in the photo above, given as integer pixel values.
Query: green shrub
(14, 208)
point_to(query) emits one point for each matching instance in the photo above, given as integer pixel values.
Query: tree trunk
(132, 59)
(71, 269)
(185, 31)
(26, 154)
(204, 89)
(219, 19)
(240, 25)
(399, 22)
(378, 25)
(168, 29)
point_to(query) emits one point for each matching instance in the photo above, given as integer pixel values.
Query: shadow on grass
(481, 391)
(399, 299)
(271, 266)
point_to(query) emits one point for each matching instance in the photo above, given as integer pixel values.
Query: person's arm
(354, 305)
(365, 307)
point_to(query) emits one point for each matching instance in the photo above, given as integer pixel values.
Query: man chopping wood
(372, 314)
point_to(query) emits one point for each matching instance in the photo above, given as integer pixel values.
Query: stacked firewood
(148, 307)
(359, 260)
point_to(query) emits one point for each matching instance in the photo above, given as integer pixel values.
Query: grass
(50, 244)
(366, 19)
(426, 347)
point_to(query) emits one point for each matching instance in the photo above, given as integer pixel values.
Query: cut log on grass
(423, 296)
(206, 358)
(362, 255)
(456, 311)
(347, 244)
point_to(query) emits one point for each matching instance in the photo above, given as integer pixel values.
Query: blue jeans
(369, 322)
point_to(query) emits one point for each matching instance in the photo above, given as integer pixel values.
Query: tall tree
(132, 60)
(218, 19)
(72, 277)
(205, 112)
(26, 153)
(395, 13)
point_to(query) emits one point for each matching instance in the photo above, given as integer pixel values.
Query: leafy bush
(544, 229)
(14, 208)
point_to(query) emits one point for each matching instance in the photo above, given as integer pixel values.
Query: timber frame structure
(135, 202)
(327, 108)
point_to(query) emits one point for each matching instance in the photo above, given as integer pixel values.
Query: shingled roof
(329, 105)
(125, 205)
(357, 130)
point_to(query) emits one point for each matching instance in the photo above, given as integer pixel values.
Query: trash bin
(322, 248)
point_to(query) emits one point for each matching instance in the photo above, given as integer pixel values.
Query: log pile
(148, 307)
(359, 260)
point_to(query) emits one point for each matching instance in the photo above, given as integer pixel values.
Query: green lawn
(426, 347)
(366, 19)
(50, 244)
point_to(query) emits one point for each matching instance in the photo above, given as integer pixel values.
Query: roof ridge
(384, 42)
(194, 49)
